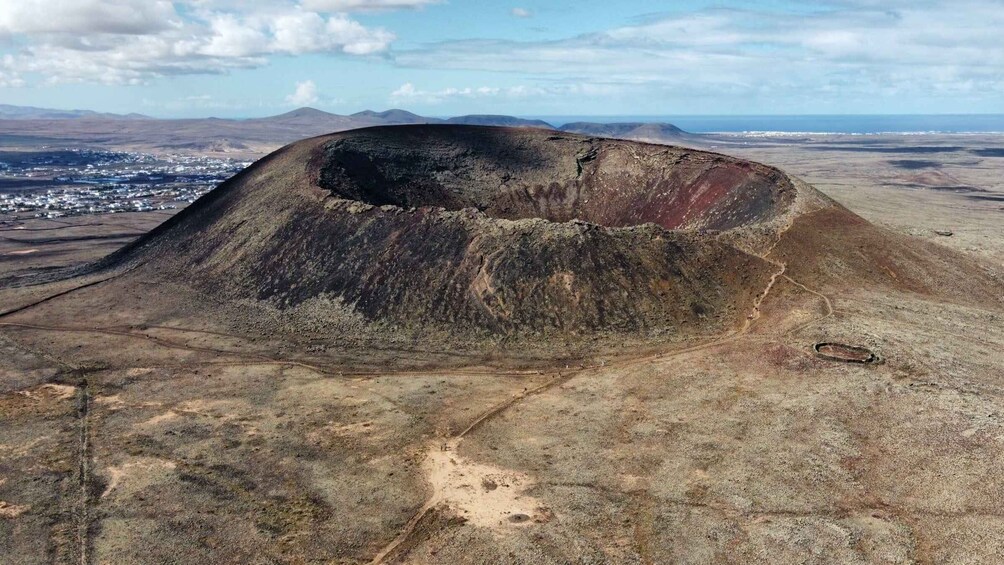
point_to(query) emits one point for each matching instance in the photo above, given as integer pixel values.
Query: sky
(244, 58)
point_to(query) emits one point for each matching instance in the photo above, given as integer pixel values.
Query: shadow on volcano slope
(457, 344)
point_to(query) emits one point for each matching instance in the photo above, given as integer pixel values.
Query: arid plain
(147, 420)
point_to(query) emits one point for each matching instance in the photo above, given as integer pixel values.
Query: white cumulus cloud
(128, 17)
(407, 92)
(521, 13)
(135, 41)
(365, 5)
(860, 48)
(305, 94)
(8, 77)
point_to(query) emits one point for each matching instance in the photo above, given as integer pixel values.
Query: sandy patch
(161, 418)
(62, 392)
(136, 475)
(112, 402)
(487, 496)
(11, 511)
(59, 392)
(357, 430)
(224, 410)
(23, 448)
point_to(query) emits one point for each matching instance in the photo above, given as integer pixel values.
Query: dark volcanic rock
(480, 231)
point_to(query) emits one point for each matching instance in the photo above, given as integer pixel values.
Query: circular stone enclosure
(845, 353)
(542, 174)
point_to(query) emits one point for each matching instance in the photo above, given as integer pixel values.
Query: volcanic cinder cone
(480, 232)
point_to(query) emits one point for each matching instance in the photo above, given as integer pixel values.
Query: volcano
(482, 231)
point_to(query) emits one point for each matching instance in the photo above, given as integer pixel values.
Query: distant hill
(304, 113)
(627, 130)
(9, 112)
(395, 116)
(496, 120)
(311, 119)
(253, 137)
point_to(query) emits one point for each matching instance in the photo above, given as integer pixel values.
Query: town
(53, 183)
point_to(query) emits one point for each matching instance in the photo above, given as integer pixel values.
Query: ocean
(844, 123)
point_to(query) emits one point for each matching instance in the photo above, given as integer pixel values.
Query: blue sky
(588, 57)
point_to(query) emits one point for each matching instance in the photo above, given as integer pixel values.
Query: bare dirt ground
(914, 184)
(31, 246)
(158, 434)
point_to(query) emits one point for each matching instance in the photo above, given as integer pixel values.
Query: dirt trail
(444, 468)
(84, 470)
(120, 333)
(80, 392)
(265, 360)
(177, 329)
(434, 457)
(452, 444)
(755, 313)
(826, 301)
(62, 227)
(442, 457)
(60, 294)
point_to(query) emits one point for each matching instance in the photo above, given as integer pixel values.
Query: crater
(557, 178)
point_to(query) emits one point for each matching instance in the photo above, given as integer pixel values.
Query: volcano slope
(469, 232)
(449, 344)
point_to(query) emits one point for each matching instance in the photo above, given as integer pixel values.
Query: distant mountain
(254, 137)
(626, 130)
(311, 119)
(496, 120)
(395, 116)
(304, 113)
(9, 112)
